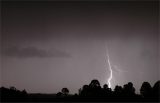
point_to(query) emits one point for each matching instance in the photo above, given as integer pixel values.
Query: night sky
(50, 45)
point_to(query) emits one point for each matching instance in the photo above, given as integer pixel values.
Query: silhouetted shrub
(146, 89)
(59, 94)
(65, 91)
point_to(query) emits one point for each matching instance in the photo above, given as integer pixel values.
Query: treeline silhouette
(88, 93)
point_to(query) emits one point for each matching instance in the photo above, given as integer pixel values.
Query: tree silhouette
(94, 83)
(59, 94)
(128, 89)
(106, 91)
(156, 89)
(65, 91)
(85, 91)
(105, 86)
(95, 88)
(118, 91)
(13, 88)
(146, 89)
(24, 91)
(91, 92)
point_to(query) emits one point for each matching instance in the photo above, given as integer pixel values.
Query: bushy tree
(156, 89)
(146, 89)
(94, 83)
(65, 91)
(128, 89)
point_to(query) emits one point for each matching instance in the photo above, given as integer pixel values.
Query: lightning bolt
(110, 69)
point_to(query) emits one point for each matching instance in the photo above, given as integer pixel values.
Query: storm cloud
(28, 52)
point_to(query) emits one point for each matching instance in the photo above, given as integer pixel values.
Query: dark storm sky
(50, 45)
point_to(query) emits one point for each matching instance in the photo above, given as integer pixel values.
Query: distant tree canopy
(90, 92)
(94, 90)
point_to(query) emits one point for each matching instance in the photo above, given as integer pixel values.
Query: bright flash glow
(110, 69)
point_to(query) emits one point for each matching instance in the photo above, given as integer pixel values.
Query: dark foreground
(88, 93)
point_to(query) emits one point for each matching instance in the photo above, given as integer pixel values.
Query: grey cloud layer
(26, 52)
